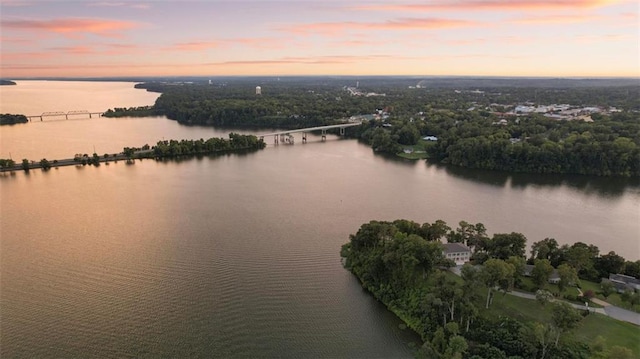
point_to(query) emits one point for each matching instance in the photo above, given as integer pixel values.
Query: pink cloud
(257, 43)
(72, 26)
(493, 5)
(193, 46)
(142, 6)
(15, 3)
(559, 19)
(73, 50)
(338, 28)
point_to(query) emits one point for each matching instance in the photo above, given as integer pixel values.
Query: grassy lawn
(523, 309)
(613, 331)
(413, 155)
(419, 150)
(613, 299)
(572, 291)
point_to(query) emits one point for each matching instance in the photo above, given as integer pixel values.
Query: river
(234, 255)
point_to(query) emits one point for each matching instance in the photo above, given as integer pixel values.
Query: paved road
(608, 310)
(577, 306)
(622, 314)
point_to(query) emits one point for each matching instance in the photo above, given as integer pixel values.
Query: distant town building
(258, 90)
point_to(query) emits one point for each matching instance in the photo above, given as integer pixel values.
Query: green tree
(580, 256)
(25, 165)
(545, 249)
(505, 245)
(434, 231)
(544, 334)
(632, 268)
(564, 317)
(44, 163)
(544, 296)
(607, 289)
(541, 272)
(496, 272)
(568, 276)
(472, 235)
(609, 263)
(518, 264)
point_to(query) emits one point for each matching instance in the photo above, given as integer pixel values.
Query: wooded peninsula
(403, 265)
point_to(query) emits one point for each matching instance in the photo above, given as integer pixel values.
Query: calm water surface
(238, 255)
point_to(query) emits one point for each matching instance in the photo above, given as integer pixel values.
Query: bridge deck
(309, 129)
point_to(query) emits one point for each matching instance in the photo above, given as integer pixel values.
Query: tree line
(139, 111)
(400, 263)
(163, 149)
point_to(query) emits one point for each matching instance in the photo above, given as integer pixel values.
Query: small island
(10, 119)
(7, 83)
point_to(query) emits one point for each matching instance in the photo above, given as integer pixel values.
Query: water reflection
(608, 187)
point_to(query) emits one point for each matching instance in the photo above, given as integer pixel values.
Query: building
(457, 252)
(258, 90)
(623, 282)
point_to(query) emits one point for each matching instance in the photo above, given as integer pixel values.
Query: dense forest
(9, 119)
(609, 146)
(402, 264)
(471, 126)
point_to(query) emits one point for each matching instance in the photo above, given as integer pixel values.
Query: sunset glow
(219, 38)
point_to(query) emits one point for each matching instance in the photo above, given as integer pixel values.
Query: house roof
(455, 248)
(624, 278)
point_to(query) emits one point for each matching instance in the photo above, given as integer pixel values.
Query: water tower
(258, 90)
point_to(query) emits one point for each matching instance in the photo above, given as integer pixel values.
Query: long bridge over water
(286, 136)
(75, 114)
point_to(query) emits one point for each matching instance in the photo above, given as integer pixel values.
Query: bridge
(287, 137)
(65, 114)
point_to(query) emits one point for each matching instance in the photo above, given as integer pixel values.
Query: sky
(556, 38)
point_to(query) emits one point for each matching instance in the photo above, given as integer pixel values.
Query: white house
(457, 252)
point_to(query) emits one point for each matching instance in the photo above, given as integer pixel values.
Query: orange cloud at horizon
(322, 65)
